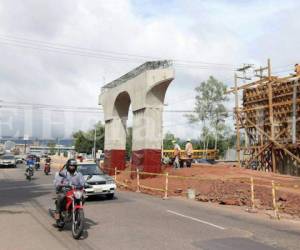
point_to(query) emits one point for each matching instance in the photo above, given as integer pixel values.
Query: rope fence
(165, 189)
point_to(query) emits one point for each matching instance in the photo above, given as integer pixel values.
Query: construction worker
(297, 69)
(189, 152)
(176, 155)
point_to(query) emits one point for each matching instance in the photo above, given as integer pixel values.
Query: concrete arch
(157, 92)
(145, 88)
(121, 104)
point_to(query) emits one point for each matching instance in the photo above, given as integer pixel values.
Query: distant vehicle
(7, 161)
(44, 155)
(47, 168)
(29, 172)
(20, 159)
(97, 182)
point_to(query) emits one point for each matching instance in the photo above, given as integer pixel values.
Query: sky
(60, 52)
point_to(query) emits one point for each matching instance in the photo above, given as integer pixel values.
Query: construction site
(267, 149)
(268, 120)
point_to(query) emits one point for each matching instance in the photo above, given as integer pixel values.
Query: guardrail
(165, 190)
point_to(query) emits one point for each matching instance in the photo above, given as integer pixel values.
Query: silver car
(98, 183)
(8, 161)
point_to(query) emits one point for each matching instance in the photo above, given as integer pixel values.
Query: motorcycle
(37, 166)
(47, 168)
(29, 172)
(73, 210)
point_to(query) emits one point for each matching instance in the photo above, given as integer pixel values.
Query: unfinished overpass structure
(143, 88)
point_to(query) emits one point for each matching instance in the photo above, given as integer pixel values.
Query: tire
(60, 224)
(78, 223)
(110, 196)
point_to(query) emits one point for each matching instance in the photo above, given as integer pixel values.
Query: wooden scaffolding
(269, 120)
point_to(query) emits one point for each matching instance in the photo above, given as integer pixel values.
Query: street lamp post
(94, 148)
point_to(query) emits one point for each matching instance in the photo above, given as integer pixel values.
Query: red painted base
(114, 158)
(147, 160)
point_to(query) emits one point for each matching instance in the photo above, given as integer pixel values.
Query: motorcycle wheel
(60, 224)
(78, 223)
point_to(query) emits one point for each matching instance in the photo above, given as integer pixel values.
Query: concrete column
(115, 144)
(146, 139)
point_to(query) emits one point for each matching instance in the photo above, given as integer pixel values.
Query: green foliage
(84, 141)
(210, 111)
(169, 137)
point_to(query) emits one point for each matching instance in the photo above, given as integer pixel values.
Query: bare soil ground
(225, 184)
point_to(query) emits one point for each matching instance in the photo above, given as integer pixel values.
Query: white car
(7, 161)
(98, 183)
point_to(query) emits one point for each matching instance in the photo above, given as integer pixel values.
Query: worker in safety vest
(189, 152)
(176, 154)
(297, 69)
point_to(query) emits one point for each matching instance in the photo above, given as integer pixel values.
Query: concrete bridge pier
(143, 88)
(115, 144)
(146, 139)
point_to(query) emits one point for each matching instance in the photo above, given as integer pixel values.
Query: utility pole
(270, 97)
(237, 119)
(94, 148)
(238, 135)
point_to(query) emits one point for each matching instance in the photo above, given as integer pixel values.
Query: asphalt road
(132, 221)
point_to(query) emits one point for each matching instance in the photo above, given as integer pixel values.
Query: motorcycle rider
(29, 163)
(48, 159)
(67, 176)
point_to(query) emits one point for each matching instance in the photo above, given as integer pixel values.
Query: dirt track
(227, 185)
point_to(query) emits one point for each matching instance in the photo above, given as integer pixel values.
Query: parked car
(98, 183)
(7, 161)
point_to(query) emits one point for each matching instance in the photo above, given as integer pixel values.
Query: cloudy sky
(60, 52)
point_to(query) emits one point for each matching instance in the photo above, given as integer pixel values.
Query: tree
(169, 137)
(210, 109)
(84, 141)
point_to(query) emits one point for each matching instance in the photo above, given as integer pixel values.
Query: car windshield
(89, 169)
(8, 157)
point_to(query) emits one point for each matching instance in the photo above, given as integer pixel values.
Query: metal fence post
(166, 186)
(138, 180)
(274, 201)
(252, 194)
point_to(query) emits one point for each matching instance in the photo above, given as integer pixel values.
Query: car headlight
(110, 182)
(78, 194)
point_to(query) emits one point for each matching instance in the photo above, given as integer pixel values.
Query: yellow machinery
(209, 154)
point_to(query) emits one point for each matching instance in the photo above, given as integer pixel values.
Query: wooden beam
(275, 142)
(262, 149)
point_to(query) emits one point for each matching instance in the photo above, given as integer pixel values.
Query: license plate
(98, 190)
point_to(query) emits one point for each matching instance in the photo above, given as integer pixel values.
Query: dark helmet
(71, 166)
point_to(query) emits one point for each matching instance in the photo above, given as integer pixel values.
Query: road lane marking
(195, 219)
(25, 186)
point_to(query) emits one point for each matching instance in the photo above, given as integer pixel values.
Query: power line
(101, 54)
(58, 108)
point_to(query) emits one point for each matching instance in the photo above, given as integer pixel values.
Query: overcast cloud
(227, 32)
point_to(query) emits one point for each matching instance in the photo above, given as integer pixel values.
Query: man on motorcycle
(30, 162)
(67, 176)
(48, 159)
